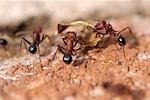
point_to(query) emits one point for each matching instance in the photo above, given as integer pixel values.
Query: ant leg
(128, 67)
(44, 37)
(39, 55)
(98, 34)
(78, 38)
(123, 49)
(25, 43)
(52, 58)
(124, 30)
(5, 50)
(64, 40)
(76, 42)
(20, 47)
(26, 40)
(60, 49)
(77, 49)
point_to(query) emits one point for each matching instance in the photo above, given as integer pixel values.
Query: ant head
(38, 30)
(67, 58)
(32, 48)
(3, 42)
(100, 25)
(121, 40)
(70, 34)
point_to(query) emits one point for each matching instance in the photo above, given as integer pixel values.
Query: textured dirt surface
(107, 76)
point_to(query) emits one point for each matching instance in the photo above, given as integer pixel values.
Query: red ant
(36, 40)
(70, 40)
(110, 31)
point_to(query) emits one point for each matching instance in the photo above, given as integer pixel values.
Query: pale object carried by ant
(37, 38)
(70, 40)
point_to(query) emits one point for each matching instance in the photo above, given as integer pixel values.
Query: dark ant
(37, 39)
(3, 43)
(110, 31)
(70, 40)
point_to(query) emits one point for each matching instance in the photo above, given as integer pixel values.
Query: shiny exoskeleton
(3, 42)
(70, 40)
(36, 36)
(108, 30)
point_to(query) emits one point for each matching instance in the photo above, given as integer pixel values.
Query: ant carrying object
(36, 40)
(87, 34)
(110, 31)
(70, 40)
(103, 28)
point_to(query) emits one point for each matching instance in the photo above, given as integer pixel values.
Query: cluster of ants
(88, 36)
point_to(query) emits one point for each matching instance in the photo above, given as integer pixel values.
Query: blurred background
(21, 14)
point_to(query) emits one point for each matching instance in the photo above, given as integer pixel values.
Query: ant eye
(121, 41)
(3, 42)
(67, 59)
(32, 48)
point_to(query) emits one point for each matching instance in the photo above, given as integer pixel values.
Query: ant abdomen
(32, 48)
(67, 58)
(121, 40)
(3, 42)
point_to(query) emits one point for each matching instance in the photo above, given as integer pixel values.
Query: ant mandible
(70, 40)
(36, 40)
(110, 31)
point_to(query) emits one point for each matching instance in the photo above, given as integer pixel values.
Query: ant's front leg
(124, 30)
(26, 41)
(64, 40)
(76, 44)
(98, 34)
(44, 37)
(76, 41)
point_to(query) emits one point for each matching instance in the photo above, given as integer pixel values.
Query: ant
(103, 26)
(87, 35)
(36, 40)
(3, 43)
(70, 40)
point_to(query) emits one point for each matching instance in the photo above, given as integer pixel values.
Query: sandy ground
(107, 76)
